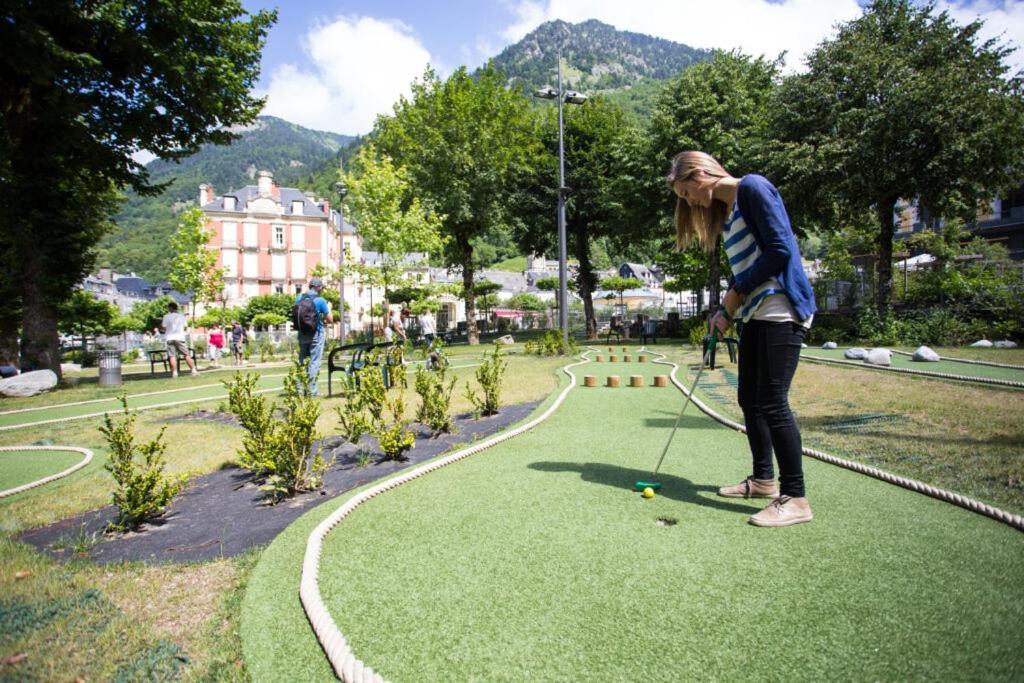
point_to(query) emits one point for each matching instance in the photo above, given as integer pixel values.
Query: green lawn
(21, 467)
(536, 559)
(946, 366)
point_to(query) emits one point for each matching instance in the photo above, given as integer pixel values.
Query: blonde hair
(697, 223)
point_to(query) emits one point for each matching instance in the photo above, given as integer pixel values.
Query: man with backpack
(308, 315)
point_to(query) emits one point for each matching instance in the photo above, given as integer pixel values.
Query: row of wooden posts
(613, 380)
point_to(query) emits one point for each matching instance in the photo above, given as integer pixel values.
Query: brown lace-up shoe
(784, 511)
(751, 488)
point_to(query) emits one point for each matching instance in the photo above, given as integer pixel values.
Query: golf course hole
(666, 521)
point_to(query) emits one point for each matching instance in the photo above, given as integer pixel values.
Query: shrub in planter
(352, 415)
(393, 434)
(279, 449)
(551, 344)
(435, 392)
(489, 375)
(143, 490)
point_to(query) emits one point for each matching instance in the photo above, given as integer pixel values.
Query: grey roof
(137, 287)
(510, 282)
(287, 195)
(415, 259)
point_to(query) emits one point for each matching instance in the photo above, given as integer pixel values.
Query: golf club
(712, 340)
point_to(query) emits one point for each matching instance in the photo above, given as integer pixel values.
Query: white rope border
(923, 373)
(971, 361)
(1016, 521)
(346, 665)
(45, 480)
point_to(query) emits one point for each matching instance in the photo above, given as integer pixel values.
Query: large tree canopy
(903, 103)
(83, 87)
(462, 139)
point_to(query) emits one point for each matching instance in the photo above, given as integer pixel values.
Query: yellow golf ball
(648, 492)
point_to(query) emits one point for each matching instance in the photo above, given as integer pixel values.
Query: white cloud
(359, 68)
(1004, 21)
(757, 27)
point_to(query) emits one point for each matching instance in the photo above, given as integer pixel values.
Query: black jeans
(769, 353)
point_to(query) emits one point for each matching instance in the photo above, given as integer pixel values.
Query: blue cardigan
(762, 209)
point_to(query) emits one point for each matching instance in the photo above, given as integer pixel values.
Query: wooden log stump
(590, 380)
(624, 349)
(641, 359)
(636, 380)
(610, 349)
(599, 358)
(613, 381)
(613, 359)
(627, 358)
(661, 380)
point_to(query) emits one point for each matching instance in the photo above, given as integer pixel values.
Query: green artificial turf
(947, 366)
(21, 467)
(537, 560)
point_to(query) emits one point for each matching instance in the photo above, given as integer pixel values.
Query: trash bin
(110, 368)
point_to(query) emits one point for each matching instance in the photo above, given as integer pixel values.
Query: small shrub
(393, 435)
(352, 415)
(435, 392)
(551, 344)
(143, 490)
(697, 334)
(279, 449)
(489, 375)
(199, 345)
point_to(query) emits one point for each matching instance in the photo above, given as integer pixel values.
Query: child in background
(215, 344)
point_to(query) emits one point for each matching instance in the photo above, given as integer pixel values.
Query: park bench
(361, 355)
(161, 356)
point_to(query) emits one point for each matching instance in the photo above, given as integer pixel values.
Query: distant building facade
(270, 239)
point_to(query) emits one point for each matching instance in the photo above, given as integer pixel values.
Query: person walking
(772, 299)
(238, 341)
(214, 344)
(311, 311)
(173, 326)
(428, 327)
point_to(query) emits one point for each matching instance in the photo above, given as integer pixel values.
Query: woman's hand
(732, 302)
(720, 323)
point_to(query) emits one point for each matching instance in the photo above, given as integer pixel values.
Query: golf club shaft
(679, 418)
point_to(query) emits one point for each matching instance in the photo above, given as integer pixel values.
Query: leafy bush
(352, 415)
(551, 344)
(393, 435)
(279, 449)
(435, 393)
(697, 334)
(143, 490)
(489, 375)
(87, 359)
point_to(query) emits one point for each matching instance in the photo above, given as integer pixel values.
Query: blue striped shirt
(742, 251)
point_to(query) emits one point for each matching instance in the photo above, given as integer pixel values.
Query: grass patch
(21, 467)
(536, 559)
(127, 622)
(516, 264)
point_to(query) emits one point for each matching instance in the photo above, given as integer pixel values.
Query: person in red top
(215, 344)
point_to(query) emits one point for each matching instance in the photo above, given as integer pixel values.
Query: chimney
(205, 194)
(265, 183)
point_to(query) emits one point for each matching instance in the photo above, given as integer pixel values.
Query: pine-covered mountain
(597, 59)
(295, 155)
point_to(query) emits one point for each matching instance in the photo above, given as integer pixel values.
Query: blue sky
(336, 64)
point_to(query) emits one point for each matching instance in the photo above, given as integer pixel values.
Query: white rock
(28, 383)
(856, 353)
(803, 346)
(1005, 344)
(879, 357)
(830, 345)
(923, 353)
(982, 344)
(506, 340)
(70, 367)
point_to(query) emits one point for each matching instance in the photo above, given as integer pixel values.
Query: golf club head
(641, 485)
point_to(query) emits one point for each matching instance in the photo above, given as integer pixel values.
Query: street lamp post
(342, 191)
(569, 97)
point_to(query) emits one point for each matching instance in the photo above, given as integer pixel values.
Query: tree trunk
(10, 323)
(40, 343)
(883, 268)
(586, 282)
(466, 250)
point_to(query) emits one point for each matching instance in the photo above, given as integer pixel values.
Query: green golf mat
(536, 559)
(947, 366)
(21, 467)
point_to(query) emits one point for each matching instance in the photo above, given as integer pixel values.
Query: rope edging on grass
(86, 459)
(346, 665)
(1015, 521)
(924, 373)
(989, 363)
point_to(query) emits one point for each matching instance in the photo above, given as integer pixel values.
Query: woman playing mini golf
(770, 296)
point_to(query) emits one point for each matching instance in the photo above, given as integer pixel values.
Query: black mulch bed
(224, 513)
